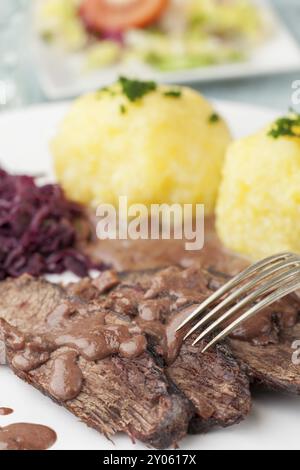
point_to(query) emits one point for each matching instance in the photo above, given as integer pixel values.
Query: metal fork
(257, 287)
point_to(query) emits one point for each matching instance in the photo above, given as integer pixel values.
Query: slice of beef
(259, 353)
(125, 300)
(118, 394)
(274, 366)
(268, 357)
(214, 382)
(262, 345)
(123, 395)
(25, 302)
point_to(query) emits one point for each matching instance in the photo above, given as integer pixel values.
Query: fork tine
(281, 292)
(233, 282)
(244, 288)
(264, 289)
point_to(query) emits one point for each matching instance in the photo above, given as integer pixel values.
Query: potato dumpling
(153, 144)
(258, 209)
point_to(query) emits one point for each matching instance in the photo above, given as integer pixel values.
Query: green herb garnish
(101, 91)
(214, 117)
(173, 93)
(136, 89)
(106, 89)
(47, 36)
(288, 126)
(123, 109)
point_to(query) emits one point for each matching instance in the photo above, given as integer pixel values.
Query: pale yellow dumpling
(166, 147)
(258, 210)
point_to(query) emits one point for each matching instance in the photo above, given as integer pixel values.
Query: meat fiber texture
(272, 365)
(133, 396)
(161, 402)
(269, 364)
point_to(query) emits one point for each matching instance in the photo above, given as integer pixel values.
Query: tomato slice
(119, 15)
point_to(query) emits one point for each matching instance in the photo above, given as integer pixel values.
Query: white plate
(61, 76)
(274, 421)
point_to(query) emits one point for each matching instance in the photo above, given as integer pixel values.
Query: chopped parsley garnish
(47, 36)
(288, 126)
(173, 93)
(100, 91)
(136, 89)
(214, 117)
(123, 109)
(105, 89)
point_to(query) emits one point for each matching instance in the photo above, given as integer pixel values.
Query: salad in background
(168, 35)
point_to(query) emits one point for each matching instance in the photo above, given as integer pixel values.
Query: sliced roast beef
(157, 300)
(262, 345)
(117, 394)
(135, 297)
(275, 366)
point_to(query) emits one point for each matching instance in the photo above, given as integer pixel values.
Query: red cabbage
(37, 229)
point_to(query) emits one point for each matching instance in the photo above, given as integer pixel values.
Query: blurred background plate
(61, 75)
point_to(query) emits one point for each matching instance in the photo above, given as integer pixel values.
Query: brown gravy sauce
(174, 338)
(93, 337)
(66, 376)
(32, 356)
(134, 255)
(133, 347)
(11, 336)
(26, 436)
(5, 411)
(260, 329)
